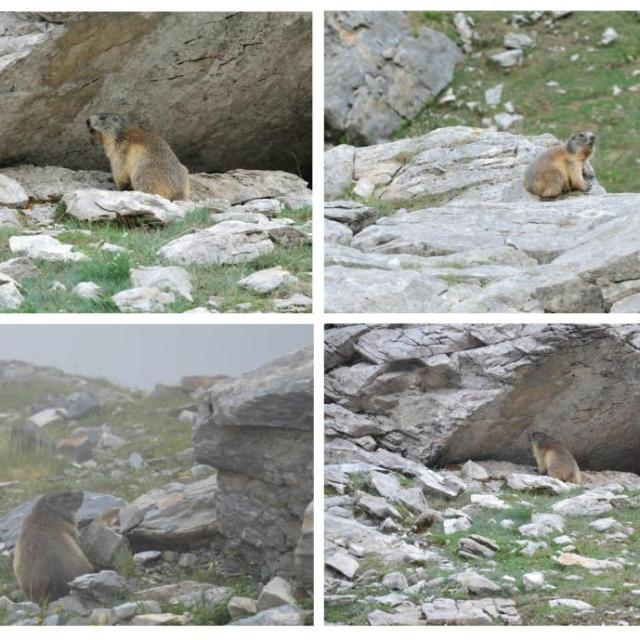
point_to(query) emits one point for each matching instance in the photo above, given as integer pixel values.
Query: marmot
(562, 168)
(139, 159)
(553, 458)
(48, 553)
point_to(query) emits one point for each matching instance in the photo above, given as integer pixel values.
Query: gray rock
(143, 300)
(286, 615)
(589, 503)
(9, 218)
(102, 545)
(578, 605)
(354, 215)
(477, 584)
(10, 295)
(446, 611)
(533, 581)
(19, 268)
(257, 433)
(268, 280)
(297, 303)
(188, 593)
(342, 563)
(97, 205)
(173, 516)
(493, 95)
(44, 247)
(338, 171)
(337, 233)
(166, 72)
(157, 619)
(11, 193)
(81, 404)
(147, 557)
(518, 41)
(102, 587)
(240, 607)
(303, 554)
(395, 581)
(375, 72)
(173, 279)
(87, 290)
(276, 593)
(507, 59)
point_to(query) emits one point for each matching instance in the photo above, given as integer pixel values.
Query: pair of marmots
(562, 168)
(140, 159)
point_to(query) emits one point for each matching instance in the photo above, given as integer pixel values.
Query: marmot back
(140, 159)
(553, 458)
(562, 168)
(48, 555)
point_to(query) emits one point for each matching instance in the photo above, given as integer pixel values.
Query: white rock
(603, 524)
(47, 416)
(488, 501)
(342, 563)
(593, 564)
(297, 303)
(44, 247)
(474, 471)
(453, 525)
(143, 300)
(276, 593)
(87, 290)
(395, 581)
(230, 242)
(590, 503)
(268, 280)
(476, 583)
(11, 193)
(609, 35)
(579, 605)
(505, 121)
(173, 279)
(10, 295)
(337, 232)
(493, 96)
(533, 581)
(509, 58)
(98, 204)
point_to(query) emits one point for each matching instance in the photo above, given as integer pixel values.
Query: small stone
(11, 193)
(474, 471)
(493, 96)
(239, 607)
(188, 560)
(609, 35)
(87, 290)
(395, 581)
(136, 461)
(507, 59)
(156, 619)
(533, 581)
(147, 557)
(268, 280)
(579, 605)
(276, 592)
(343, 563)
(603, 524)
(143, 300)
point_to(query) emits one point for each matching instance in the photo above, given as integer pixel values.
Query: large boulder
(257, 430)
(452, 393)
(379, 71)
(211, 83)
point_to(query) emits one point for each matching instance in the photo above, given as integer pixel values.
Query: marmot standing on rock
(562, 168)
(553, 458)
(48, 555)
(140, 159)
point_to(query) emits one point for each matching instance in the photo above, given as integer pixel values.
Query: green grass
(587, 101)
(111, 271)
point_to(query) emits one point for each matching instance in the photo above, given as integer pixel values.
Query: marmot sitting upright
(48, 555)
(562, 168)
(553, 458)
(140, 159)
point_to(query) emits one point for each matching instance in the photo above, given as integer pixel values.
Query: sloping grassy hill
(582, 99)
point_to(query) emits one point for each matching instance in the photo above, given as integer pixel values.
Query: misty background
(141, 356)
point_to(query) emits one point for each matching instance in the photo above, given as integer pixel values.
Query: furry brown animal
(553, 458)
(562, 168)
(48, 555)
(139, 159)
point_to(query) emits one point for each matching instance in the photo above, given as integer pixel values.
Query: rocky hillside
(70, 243)
(434, 513)
(175, 535)
(442, 223)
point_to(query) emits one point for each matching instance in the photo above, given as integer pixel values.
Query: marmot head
(65, 502)
(582, 143)
(538, 437)
(110, 125)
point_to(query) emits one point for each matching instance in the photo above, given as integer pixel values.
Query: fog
(141, 356)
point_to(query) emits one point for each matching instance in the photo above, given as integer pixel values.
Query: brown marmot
(562, 168)
(553, 458)
(139, 159)
(48, 554)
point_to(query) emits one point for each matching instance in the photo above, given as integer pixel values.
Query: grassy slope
(534, 606)
(587, 101)
(111, 271)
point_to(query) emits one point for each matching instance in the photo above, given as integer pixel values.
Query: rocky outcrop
(212, 84)
(379, 71)
(466, 237)
(439, 394)
(257, 431)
